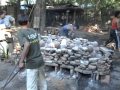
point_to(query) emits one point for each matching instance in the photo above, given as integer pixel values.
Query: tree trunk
(39, 16)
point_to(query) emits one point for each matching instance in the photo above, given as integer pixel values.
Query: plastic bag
(63, 43)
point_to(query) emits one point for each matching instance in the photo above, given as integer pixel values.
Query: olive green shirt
(34, 57)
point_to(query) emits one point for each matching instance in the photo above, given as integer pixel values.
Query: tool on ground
(10, 79)
(12, 75)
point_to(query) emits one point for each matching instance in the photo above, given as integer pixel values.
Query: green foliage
(12, 1)
(98, 3)
(63, 1)
(15, 1)
(97, 9)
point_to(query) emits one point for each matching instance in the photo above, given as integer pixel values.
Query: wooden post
(74, 17)
(39, 15)
(67, 16)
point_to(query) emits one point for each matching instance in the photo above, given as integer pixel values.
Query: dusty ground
(63, 82)
(54, 82)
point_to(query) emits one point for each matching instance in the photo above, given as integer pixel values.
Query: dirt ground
(65, 82)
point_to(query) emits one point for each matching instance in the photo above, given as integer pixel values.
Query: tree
(39, 15)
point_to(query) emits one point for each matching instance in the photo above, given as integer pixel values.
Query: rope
(31, 13)
(32, 10)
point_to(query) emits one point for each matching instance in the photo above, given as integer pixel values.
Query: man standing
(115, 26)
(34, 63)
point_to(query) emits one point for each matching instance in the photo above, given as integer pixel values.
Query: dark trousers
(113, 37)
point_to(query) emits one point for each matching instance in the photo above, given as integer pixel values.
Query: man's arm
(13, 22)
(118, 24)
(12, 19)
(24, 54)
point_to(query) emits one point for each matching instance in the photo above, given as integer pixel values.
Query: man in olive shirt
(34, 63)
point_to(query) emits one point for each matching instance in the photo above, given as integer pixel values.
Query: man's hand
(24, 54)
(21, 65)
